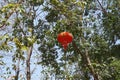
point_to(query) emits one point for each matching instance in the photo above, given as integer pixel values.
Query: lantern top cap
(65, 33)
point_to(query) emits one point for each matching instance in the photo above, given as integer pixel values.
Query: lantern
(65, 38)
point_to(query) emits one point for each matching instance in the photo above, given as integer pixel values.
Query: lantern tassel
(65, 46)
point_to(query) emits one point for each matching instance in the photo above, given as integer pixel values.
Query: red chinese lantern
(65, 38)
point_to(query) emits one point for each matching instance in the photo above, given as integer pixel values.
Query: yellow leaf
(24, 47)
(16, 40)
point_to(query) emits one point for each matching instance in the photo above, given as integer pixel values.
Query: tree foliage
(94, 25)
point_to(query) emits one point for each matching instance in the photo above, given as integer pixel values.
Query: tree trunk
(28, 74)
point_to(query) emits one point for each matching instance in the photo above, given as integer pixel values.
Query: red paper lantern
(65, 38)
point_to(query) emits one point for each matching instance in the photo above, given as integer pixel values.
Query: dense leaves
(87, 33)
(92, 53)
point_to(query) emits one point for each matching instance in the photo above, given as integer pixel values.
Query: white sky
(8, 60)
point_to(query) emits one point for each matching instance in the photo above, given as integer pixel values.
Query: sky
(37, 75)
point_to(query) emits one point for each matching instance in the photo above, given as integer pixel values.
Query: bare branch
(102, 7)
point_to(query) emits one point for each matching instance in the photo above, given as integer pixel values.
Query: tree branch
(85, 57)
(104, 11)
(17, 70)
(28, 75)
(90, 66)
(6, 17)
(76, 48)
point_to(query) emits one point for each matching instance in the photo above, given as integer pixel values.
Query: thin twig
(17, 70)
(102, 7)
